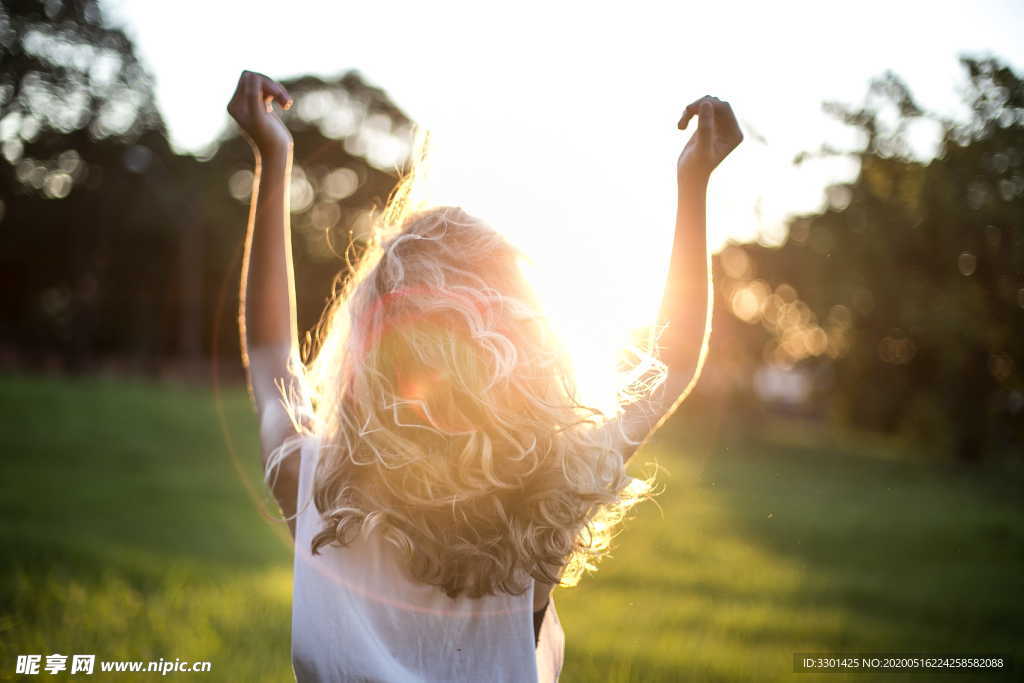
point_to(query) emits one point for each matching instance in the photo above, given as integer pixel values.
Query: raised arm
(687, 301)
(266, 318)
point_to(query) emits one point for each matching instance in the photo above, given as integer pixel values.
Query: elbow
(680, 381)
(684, 354)
(684, 368)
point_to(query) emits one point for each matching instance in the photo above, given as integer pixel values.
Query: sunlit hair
(447, 415)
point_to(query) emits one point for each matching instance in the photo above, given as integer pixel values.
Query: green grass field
(128, 532)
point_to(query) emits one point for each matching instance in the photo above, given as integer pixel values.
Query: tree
(118, 249)
(910, 284)
(79, 130)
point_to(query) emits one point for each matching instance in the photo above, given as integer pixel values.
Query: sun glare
(596, 266)
(577, 322)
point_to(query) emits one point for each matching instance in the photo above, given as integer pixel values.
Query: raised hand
(717, 135)
(251, 106)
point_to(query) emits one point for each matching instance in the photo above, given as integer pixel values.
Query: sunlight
(576, 319)
(597, 267)
(598, 220)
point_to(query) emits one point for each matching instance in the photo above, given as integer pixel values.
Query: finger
(278, 92)
(250, 92)
(726, 118)
(706, 118)
(246, 82)
(690, 111)
(687, 115)
(275, 91)
(241, 100)
(283, 98)
(254, 93)
(706, 121)
(735, 133)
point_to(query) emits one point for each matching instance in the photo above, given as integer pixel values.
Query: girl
(438, 475)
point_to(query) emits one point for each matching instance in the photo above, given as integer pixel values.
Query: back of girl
(447, 472)
(438, 473)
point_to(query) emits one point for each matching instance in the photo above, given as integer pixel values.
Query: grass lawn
(128, 531)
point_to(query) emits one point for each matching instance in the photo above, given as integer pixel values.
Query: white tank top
(357, 615)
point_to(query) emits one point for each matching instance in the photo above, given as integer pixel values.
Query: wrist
(273, 154)
(691, 181)
(276, 153)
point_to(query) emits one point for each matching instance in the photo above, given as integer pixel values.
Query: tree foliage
(118, 248)
(909, 286)
(904, 296)
(79, 133)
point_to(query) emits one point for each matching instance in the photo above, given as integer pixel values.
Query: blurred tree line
(902, 301)
(117, 249)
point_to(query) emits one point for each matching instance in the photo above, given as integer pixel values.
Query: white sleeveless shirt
(357, 615)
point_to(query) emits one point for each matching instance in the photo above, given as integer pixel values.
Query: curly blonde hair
(448, 419)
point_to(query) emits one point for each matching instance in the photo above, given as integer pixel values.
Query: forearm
(686, 305)
(267, 297)
(684, 315)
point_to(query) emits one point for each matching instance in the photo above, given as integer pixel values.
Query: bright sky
(555, 121)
